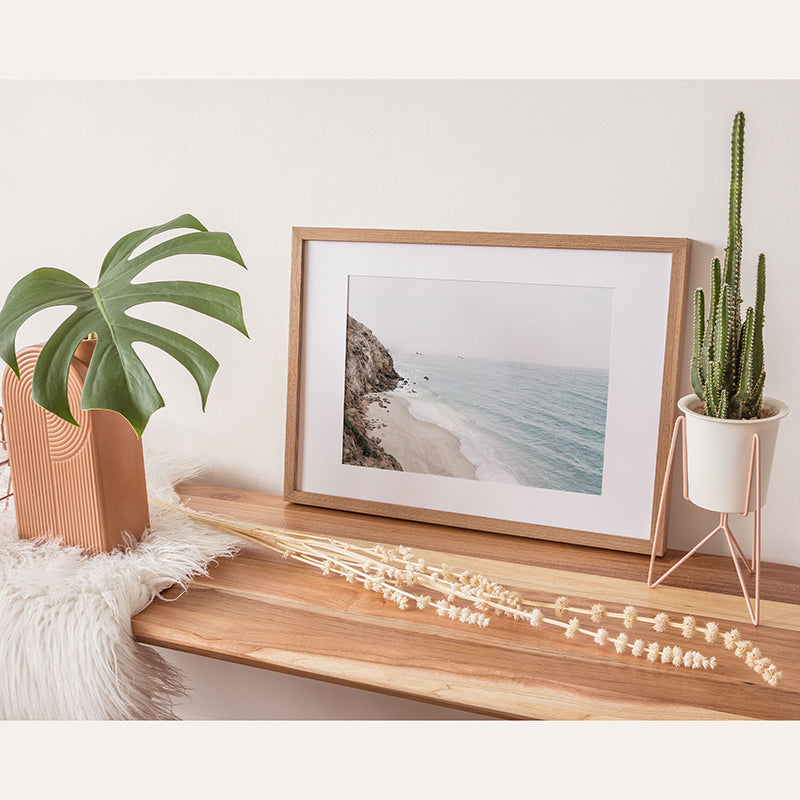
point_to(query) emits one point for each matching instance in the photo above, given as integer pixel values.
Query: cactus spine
(728, 358)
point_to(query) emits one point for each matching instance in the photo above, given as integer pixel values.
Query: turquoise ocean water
(529, 424)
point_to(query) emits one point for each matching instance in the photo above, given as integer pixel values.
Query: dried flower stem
(688, 627)
(394, 571)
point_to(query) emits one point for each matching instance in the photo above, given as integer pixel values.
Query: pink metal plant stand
(754, 471)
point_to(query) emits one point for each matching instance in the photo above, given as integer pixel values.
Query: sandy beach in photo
(418, 446)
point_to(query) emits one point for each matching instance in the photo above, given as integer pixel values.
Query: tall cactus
(728, 357)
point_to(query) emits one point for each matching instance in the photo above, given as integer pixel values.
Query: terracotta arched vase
(85, 485)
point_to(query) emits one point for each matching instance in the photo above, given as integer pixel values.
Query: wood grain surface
(264, 611)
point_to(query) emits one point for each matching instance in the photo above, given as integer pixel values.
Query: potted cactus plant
(728, 374)
(76, 406)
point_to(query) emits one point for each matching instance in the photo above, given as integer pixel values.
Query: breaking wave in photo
(529, 424)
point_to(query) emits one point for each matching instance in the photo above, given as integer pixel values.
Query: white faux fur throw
(66, 647)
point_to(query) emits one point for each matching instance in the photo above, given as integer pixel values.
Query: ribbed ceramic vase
(718, 455)
(86, 484)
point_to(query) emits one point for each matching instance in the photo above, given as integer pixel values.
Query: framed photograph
(514, 383)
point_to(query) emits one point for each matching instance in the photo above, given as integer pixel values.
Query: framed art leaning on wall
(515, 383)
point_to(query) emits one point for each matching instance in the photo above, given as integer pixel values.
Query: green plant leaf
(747, 373)
(117, 379)
(696, 372)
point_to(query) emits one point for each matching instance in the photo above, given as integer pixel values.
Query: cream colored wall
(83, 163)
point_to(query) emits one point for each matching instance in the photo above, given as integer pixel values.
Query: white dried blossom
(423, 601)
(742, 646)
(711, 632)
(621, 642)
(688, 627)
(536, 617)
(730, 639)
(677, 656)
(760, 665)
(772, 676)
(601, 637)
(598, 612)
(561, 606)
(653, 650)
(661, 622)
(638, 648)
(666, 654)
(572, 627)
(629, 616)
(752, 656)
(513, 599)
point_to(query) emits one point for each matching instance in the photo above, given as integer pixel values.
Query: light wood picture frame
(530, 386)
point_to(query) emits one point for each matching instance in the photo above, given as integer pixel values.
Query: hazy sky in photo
(533, 323)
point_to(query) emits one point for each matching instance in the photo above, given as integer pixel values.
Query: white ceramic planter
(718, 455)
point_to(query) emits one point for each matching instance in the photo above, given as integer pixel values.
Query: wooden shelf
(264, 611)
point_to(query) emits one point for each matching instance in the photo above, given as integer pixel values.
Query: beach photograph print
(486, 381)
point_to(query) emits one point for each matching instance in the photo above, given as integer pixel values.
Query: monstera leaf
(117, 379)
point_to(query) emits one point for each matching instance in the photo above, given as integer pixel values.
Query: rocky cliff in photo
(369, 370)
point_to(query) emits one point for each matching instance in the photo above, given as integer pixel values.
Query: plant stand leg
(723, 526)
(754, 472)
(741, 554)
